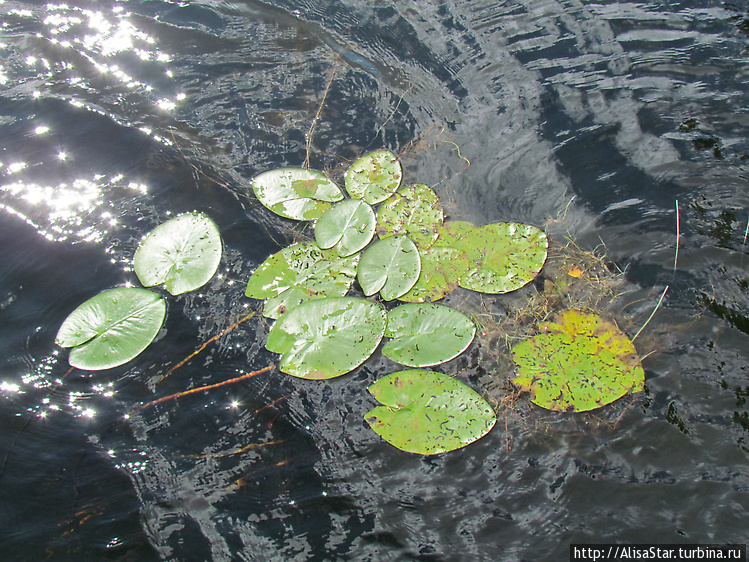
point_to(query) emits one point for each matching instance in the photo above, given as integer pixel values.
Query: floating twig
(202, 347)
(660, 300)
(202, 388)
(311, 131)
(676, 254)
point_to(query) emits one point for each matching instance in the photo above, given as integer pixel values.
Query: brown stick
(202, 347)
(202, 388)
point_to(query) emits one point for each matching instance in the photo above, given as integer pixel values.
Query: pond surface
(616, 126)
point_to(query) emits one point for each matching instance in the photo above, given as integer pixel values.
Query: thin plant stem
(202, 347)
(660, 300)
(202, 388)
(676, 254)
(311, 131)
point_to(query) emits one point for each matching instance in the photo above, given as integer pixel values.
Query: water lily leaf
(441, 268)
(504, 256)
(299, 273)
(326, 338)
(296, 193)
(374, 177)
(183, 253)
(579, 363)
(390, 266)
(426, 334)
(112, 327)
(428, 413)
(347, 226)
(414, 210)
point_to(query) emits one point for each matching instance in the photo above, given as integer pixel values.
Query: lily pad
(504, 256)
(426, 334)
(299, 273)
(390, 266)
(183, 253)
(326, 338)
(374, 177)
(441, 269)
(579, 363)
(112, 327)
(347, 226)
(414, 210)
(296, 193)
(428, 413)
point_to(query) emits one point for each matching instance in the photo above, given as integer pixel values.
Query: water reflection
(605, 112)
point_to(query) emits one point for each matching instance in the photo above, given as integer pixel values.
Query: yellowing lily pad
(503, 256)
(428, 413)
(580, 362)
(374, 177)
(414, 210)
(441, 269)
(296, 193)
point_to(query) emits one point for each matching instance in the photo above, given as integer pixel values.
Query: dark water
(595, 120)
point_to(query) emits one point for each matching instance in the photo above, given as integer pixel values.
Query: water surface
(601, 122)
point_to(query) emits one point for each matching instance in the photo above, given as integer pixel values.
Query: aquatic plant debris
(299, 273)
(111, 328)
(183, 253)
(296, 193)
(426, 334)
(326, 338)
(374, 177)
(578, 363)
(428, 413)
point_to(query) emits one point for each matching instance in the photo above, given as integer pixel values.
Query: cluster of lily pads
(331, 300)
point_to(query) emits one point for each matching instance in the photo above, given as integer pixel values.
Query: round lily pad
(426, 334)
(374, 177)
(347, 227)
(579, 363)
(112, 327)
(183, 253)
(428, 413)
(326, 338)
(390, 266)
(503, 256)
(296, 193)
(299, 273)
(414, 210)
(441, 269)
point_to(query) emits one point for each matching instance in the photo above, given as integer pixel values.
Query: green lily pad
(503, 256)
(347, 226)
(414, 210)
(426, 334)
(581, 362)
(428, 413)
(374, 177)
(299, 273)
(183, 253)
(390, 266)
(296, 193)
(326, 338)
(112, 327)
(441, 269)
